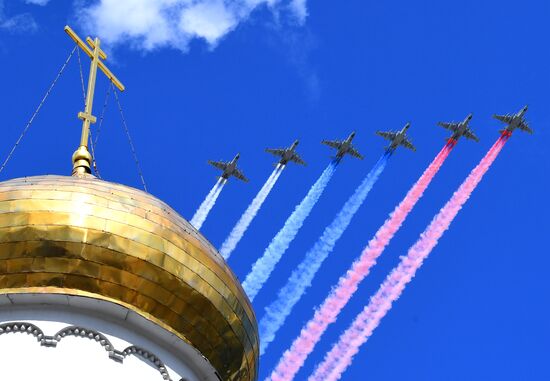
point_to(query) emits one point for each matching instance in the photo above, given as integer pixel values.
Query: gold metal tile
(88, 237)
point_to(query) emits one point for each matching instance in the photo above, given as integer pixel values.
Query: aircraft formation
(396, 138)
(279, 310)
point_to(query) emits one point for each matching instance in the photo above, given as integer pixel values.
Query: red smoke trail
(294, 358)
(341, 354)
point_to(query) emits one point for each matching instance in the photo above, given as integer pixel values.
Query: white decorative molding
(85, 333)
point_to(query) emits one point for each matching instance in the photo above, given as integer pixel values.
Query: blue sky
(478, 308)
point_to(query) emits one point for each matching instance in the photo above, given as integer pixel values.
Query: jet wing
(386, 135)
(218, 164)
(470, 135)
(353, 152)
(504, 118)
(448, 126)
(332, 143)
(525, 127)
(407, 144)
(276, 152)
(297, 159)
(238, 174)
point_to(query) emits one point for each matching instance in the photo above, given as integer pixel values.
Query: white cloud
(20, 23)
(150, 24)
(208, 19)
(37, 2)
(299, 8)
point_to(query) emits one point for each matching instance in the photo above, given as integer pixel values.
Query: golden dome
(88, 237)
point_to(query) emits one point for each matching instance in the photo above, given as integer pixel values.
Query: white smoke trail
(264, 266)
(240, 228)
(203, 210)
(279, 310)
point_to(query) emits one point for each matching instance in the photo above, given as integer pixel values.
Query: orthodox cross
(82, 158)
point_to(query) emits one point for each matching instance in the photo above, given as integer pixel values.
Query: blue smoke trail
(301, 278)
(242, 225)
(261, 270)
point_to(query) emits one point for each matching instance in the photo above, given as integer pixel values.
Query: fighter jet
(287, 154)
(459, 129)
(397, 138)
(229, 168)
(514, 121)
(344, 147)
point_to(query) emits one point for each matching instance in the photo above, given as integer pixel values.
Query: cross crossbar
(89, 52)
